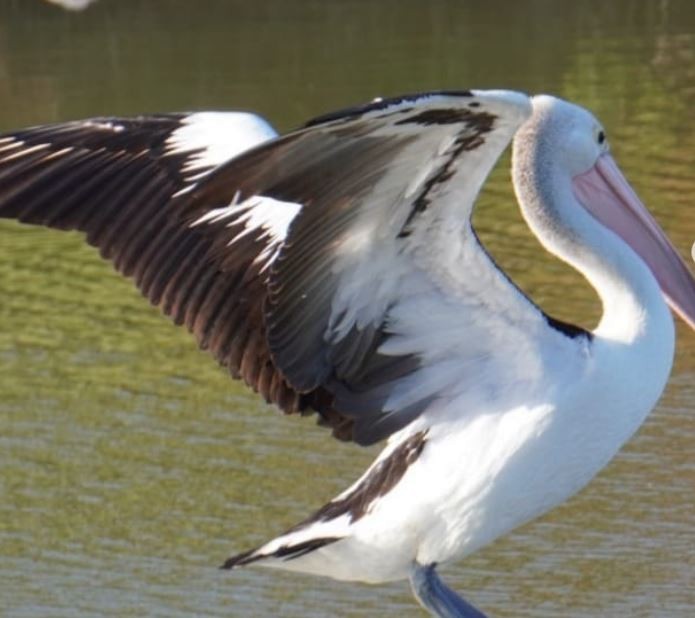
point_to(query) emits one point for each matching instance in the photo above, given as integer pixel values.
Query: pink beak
(606, 194)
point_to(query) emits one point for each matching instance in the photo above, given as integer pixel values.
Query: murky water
(131, 466)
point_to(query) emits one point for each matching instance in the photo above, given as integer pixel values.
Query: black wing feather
(115, 180)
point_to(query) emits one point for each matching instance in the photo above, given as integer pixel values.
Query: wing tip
(238, 560)
(508, 100)
(284, 552)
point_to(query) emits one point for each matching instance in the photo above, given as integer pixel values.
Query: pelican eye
(601, 137)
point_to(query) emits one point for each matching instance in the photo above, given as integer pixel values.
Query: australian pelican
(335, 270)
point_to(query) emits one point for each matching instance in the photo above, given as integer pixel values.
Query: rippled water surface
(131, 466)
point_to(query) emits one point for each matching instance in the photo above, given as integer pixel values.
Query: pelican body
(335, 269)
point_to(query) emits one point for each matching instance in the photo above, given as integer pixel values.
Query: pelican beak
(606, 194)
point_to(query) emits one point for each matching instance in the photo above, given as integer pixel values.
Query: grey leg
(436, 598)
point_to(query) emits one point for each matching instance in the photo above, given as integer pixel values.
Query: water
(132, 466)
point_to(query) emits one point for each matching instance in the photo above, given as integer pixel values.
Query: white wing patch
(216, 137)
(257, 213)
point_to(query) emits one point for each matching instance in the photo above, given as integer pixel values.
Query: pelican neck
(632, 302)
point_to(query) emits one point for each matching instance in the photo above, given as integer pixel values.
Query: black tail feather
(284, 552)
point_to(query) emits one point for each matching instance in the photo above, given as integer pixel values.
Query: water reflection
(132, 466)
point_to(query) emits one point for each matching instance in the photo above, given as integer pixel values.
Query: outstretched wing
(333, 268)
(118, 180)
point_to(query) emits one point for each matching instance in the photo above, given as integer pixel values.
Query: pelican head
(563, 170)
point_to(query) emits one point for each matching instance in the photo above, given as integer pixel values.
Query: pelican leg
(436, 597)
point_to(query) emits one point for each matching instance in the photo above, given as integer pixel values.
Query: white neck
(633, 305)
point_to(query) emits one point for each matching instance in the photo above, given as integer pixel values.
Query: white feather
(217, 137)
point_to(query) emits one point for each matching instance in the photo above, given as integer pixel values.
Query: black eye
(601, 137)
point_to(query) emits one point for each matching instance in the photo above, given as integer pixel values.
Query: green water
(132, 466)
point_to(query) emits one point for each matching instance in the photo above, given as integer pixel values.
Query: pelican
(72, 5)
(335, 270)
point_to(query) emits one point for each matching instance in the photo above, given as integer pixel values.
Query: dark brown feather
(115, 183)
